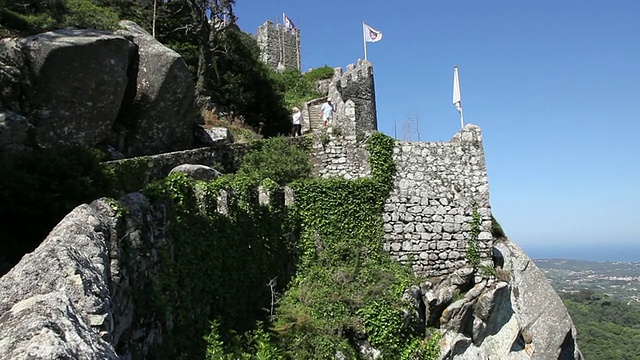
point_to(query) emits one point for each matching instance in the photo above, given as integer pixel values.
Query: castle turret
(279, 46)
(353, 92)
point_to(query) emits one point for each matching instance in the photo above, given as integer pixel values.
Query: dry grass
(241, 132)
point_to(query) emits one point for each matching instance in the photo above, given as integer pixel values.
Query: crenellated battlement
(279, 46)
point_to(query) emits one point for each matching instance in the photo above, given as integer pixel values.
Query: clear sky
(554, 85)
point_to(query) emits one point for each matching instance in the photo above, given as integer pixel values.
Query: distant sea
(627, 252)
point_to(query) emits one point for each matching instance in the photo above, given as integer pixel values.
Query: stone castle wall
(428, 215)
(353, 94)
(340, 156)
(279, 47)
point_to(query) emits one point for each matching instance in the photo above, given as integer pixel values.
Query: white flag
(457, 98)
(371, 34)
(288, 24)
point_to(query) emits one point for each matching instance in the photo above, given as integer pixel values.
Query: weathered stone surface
(227, 156)
(353, 91)
(540, 310)
(341, 156)
(65, 70)
(164, 101)
(523, 319)
(213, 135)
(279, 46)
(196, 171)
(447, 196)
(62, 286)
(9, 87)
(72, 259)
(49, 326)
(144, 233)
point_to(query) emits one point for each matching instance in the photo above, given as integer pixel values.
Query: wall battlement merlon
(363, 69)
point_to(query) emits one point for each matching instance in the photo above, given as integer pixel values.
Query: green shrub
(86, 14)
(39, 16)
(346, 288)
(496, 229)
(473, 253)
(321, 73)
(26, 23)
(296, 89)
(278, 159)
(218, 267)
(299, 88)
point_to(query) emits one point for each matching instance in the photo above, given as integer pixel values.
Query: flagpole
(461, 118)
(297, 32)
(364, 40)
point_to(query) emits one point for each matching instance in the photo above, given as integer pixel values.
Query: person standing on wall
(327, 111)
(297, 122)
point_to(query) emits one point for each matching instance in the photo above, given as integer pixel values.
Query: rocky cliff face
(517, 315)
(124, 91)
(72, 297)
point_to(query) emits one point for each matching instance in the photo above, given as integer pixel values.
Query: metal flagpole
(282, 43)
(364, 40)
(297, 32)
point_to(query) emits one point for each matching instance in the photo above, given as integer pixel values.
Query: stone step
(315, 117)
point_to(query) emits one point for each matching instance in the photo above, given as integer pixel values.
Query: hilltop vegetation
(608, 329)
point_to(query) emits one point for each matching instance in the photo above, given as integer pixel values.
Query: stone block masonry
(428, 215)
(341, 156)
(353, 94)
(279, 46)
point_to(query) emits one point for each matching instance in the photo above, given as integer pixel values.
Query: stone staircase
(312, 115)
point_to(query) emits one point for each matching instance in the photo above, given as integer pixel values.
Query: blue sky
(554, 85)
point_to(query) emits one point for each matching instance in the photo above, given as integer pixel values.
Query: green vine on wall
(473, 254)
(326, 250)
(347, 287)
(219, 265)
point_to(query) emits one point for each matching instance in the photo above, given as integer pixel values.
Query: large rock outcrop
(125, 91)
(73, 297)
(164, 102)
(72, 83)
(50, 301)
(521, 317)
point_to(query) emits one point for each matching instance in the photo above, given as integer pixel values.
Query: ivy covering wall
(307, 281)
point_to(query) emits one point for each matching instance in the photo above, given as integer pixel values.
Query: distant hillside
(603, 299)
(608, 329)
(620, 280)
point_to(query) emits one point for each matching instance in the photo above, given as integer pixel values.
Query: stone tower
(352, 92)
(279, 46)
